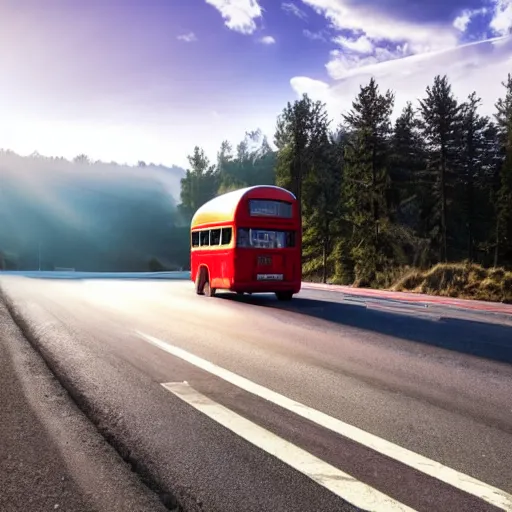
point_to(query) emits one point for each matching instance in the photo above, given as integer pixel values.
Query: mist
(87, 216)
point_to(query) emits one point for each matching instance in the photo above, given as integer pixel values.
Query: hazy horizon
(89, 216)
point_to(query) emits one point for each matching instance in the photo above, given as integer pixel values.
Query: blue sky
(127, 80)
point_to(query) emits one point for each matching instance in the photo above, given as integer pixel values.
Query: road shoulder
(51, 456)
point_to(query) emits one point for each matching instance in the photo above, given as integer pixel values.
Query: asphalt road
(326, 403)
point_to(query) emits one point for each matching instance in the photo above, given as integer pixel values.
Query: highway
(327, 403)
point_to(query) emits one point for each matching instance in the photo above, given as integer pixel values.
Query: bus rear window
(264, 238)
(268, 208)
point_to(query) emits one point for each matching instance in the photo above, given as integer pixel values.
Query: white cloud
(267, 40)
(239, 15)
(187, 38)
(501, 22)
(375, 36)
(316, 89)
(379, 26)
(361, 45)
(462, 21)
(314, 36)
(468, 68)
(293, 9)
(343, 64)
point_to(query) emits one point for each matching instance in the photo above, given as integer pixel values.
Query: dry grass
(462, 280)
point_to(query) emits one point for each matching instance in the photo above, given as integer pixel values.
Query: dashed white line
(338, 482)
(466, 483)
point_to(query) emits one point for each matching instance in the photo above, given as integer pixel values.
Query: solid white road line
(338, 482)
(400, 309)
(466, 483)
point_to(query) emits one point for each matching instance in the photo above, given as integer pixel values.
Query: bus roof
(223, 208)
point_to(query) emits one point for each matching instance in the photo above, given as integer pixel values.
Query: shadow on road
(483, 339)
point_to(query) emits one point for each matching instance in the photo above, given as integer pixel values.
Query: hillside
(89, 216)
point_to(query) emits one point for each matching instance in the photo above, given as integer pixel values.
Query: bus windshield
(265, 238)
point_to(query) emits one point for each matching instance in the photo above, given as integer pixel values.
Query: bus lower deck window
(205, 238)
(195, 239)
(227, 233)
(215, 237)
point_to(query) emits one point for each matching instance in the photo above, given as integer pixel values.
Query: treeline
(378, 196)
(252, 162)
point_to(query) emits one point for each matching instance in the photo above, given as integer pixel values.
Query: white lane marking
(466, 483)
(414, 311)
(338, 482)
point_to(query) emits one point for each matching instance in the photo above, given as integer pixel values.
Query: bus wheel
(284, 295)
(208, 290)
(199, 282)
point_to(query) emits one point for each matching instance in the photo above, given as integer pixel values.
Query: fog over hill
(89, 216)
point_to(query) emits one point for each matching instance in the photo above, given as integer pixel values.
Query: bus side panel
(228, 269)
(219, 263)
(193, 265)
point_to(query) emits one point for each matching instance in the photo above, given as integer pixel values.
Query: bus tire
(200, 282)
(284, 295)
(208, 290)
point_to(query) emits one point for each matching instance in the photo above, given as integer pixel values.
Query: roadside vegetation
(463, 280)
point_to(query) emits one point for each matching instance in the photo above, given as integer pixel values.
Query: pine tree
(441, 129)
(474, 158)
(322, 203)
(408, 161)
(504, 196)
(409, 188)
(226, 164)
(305, 165)
(366, 178)
(253, 164)
(199, 184)
(299, 134)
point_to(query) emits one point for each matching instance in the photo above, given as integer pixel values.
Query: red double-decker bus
(248, 241)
